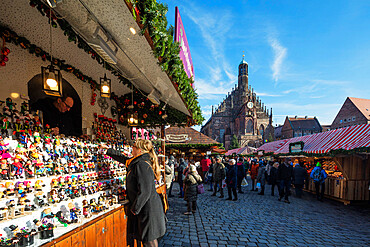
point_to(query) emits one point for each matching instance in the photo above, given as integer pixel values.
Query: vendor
(56, 114)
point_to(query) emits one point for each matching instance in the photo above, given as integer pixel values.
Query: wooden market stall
(344, 154)
(190, 143)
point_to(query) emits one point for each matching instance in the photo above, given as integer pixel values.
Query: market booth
(344, 155)
(62, 190)
(241, 151)
(190, 143)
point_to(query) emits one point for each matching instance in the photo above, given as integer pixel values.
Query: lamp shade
(51, 81)
(105, 87)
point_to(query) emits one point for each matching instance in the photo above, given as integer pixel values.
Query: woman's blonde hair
(147, 147)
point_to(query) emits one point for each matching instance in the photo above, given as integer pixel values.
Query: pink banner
(180, 37)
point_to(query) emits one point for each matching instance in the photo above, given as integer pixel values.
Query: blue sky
(305, 57)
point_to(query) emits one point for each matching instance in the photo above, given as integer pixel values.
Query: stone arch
(35, 93)
(249, 126)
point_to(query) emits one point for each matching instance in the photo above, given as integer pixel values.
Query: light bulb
(105, 89)
(51, 82)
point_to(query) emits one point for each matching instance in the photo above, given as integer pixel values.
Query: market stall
(241, 151)
(58, 188)
(343, 153)
(189, 143)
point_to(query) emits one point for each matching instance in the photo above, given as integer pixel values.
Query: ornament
(145, 115)
(142, 121)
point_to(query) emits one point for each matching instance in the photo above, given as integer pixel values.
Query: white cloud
(280, 53)
(268, 94)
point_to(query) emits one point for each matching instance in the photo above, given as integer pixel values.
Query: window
(349, 119)
(341, 121)
(345, 120)
(353, 118)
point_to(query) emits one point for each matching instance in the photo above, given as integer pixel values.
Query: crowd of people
(231, 173)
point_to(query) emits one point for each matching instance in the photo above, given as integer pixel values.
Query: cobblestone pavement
(256, 220)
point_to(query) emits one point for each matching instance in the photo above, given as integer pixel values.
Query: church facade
(241, 114)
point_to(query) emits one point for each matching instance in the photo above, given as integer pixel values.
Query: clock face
(250, 105)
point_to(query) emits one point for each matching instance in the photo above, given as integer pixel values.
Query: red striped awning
(346, 138)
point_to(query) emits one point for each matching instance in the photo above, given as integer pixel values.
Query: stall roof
(345, 138)
(186, 135)
(240, 151)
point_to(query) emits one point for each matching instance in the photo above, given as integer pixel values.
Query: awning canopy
(241, 151)
(349, 138)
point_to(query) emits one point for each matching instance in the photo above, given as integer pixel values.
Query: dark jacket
(231, 176)
(241, 170)
(273, 178)
(146, 219)
(218, 172)
(191, 182)
(180, 171)
(299, 174)
(285, 172)
(261, 176)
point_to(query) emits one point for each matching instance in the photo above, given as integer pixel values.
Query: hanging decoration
(4, 53)
(93, 97)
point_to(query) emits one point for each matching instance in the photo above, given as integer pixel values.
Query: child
(191, 182)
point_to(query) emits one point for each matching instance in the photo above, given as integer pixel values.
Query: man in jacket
(170, 174)
(299, 176)
(231, 180)
(205, 163)
(241, 174)
(285, 174)
(218, 176)
(261, 177)
(318, 176)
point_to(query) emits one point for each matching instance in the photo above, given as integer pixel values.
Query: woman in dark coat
(146, 218)
(191, 182)
(231, 179)
(181, 176)
(273, 177)
(241, 174)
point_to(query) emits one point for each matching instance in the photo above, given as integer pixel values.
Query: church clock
(250, 105)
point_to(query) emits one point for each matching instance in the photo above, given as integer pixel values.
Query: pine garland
(194, 146)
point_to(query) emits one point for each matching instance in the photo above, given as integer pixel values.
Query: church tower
(243, 81)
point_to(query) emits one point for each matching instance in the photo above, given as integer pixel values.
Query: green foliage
(234, 142)
(194, 146)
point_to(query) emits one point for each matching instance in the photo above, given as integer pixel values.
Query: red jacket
(205, 163)
(254, 171)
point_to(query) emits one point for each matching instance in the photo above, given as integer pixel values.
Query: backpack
(317, 175)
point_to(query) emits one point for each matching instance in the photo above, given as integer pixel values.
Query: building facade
(354, 111)
(241, 114)
(296, 126)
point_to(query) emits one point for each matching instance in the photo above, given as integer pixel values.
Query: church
(241, 114)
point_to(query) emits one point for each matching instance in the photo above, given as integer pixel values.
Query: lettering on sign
(178, 138)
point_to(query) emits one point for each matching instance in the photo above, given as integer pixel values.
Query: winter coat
(261, 177)
(210, 172)
(231, 176)
(205, 163)
(299, 174)
(254, 171)
(241, 170)
(191, 182)
(180, 171)
(146, 218)
(218, 172)
(323, 173)
(273, 175)
(285, 172)
(169, 168)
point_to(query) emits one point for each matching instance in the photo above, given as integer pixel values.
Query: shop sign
(178, 138)
(180, 37)
(261, 152)
(296, 147)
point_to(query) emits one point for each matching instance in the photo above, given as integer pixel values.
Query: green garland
(169, 61)
(194, 146)
(151, 16)
(12, 37)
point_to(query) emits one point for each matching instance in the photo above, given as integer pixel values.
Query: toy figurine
(9, 188)
(29, 169)
(4, 169)
(40, 199)
(17, 168)
(16, 234)
(47, 220)
(73, 213)
(94, 206)
(53, 196)
(61, 219)
(86, 209)
(24, 107)
(5, 126)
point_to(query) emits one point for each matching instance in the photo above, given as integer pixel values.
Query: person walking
(299, 176)
(210, 174)
(253, 173)
(240, 173)
(205, 163)
(231, 180)
(218, 176)
(181, 176)
(274, 178)
(318, 176)
(191, 182)
(261, 177)
(285, 174)
(170, 167)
